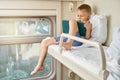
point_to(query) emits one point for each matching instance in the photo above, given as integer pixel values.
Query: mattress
(89, 58)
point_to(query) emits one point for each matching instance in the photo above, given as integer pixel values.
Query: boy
(83, 15)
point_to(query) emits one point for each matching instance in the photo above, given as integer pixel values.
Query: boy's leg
(44, 47)
(73, 29)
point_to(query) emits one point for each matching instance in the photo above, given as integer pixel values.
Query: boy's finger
(87, 22)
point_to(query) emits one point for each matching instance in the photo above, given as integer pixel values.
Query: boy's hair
(85, 7)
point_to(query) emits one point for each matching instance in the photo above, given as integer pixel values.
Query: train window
(18, 60)
(25, 26)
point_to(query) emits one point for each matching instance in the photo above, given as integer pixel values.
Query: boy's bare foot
(37, 68)
(67, 45)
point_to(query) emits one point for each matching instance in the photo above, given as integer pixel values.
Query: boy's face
(82, 15)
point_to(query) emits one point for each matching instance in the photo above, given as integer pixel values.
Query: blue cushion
(81, 28)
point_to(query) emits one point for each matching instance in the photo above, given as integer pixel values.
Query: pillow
(65, 26)
(99, 28)
(113, 51)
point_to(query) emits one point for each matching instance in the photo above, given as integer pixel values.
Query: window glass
(17, 61)
(25, 26)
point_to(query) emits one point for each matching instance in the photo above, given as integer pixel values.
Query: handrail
(92, 43)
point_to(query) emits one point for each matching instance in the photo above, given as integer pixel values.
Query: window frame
(28, 39)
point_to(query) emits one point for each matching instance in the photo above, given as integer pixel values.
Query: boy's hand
(88, 26)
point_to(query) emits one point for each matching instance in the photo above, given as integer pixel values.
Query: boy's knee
(47, 41)
(43, 41)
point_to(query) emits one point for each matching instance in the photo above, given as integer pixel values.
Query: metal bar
(21, 39)
(92, 43)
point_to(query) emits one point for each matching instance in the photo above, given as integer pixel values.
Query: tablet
(81, 28)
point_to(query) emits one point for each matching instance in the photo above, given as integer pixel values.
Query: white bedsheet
(89, 58)
(85, 56)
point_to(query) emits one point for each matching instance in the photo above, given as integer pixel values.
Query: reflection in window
(17, 61)
(34, 27)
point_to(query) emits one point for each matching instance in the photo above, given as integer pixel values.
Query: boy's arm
(88, 26)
